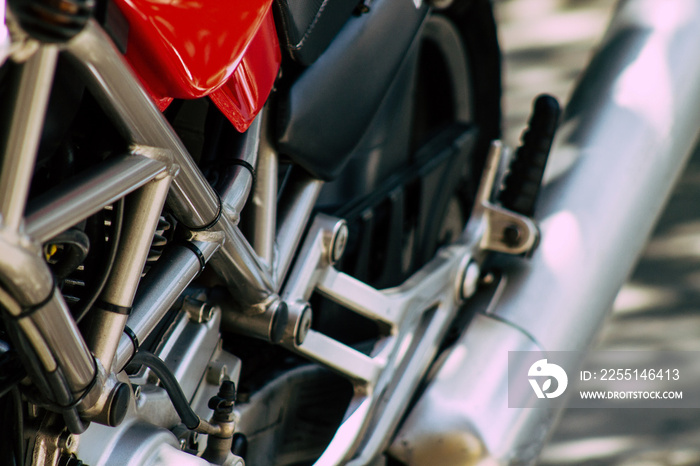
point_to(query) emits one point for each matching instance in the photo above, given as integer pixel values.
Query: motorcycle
(286, 232)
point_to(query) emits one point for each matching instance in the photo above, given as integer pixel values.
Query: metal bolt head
(303, 326)
(340, 240)
(470, 279)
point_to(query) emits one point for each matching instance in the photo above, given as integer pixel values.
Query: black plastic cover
(328, 109)
(308, 26)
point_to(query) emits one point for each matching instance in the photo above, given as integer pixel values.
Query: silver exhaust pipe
(628, 131)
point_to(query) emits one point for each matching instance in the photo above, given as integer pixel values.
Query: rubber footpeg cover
(522, 183)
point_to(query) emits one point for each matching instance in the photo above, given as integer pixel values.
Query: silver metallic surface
(142, 212)
(473, 378)
(267, 325)
(24, 269)
(339, 240)
(491, 222)
(50, 330)
(158, 292)
(99, 410)
(139, 443)
(111, 80)
(602, 195)
(191, 198)
(24, 133)
(145, 436)
(5, 44)
(235, 194)
(264, 200)
(104, 334)
(63, 338)
(67, 205)
(593, 218)
(295, 210)
(246, 277)
(298, 323)
(415, 317)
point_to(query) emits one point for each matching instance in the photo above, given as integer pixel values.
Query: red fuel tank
(188, 49)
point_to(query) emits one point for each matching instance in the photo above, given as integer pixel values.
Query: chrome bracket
(501, 230)
(414, 316)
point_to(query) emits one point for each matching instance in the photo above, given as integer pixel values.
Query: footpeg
(493, 228)
(522, 183)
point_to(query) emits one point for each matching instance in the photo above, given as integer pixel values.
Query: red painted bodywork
(188, 49)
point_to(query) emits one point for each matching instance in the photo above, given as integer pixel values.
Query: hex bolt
(470, 279)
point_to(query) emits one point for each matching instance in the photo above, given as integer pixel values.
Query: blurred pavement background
(546, 44)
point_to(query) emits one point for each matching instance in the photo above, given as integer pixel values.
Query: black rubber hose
(171, 386)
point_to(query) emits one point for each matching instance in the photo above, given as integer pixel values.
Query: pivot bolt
(340, 240)
(304, 325)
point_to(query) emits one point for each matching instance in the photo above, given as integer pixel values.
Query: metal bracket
(499, 229)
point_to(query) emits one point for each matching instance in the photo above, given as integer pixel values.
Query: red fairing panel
(191, 48)
(245, 93)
